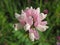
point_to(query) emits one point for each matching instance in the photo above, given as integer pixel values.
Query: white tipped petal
(42, 28)
(45, 27)
(31, 7)
(22, 11)
(43, 15)
(31, 36)
(38, 10)
(27, 27)
(27, 8)
(17, 15)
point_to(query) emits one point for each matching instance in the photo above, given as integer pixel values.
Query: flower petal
(35, 34)
(42, 28)
(29, 20)
(43, 23)
(28, 12)
(31, 36)
(43, 16)
(17, 15)
(38, 10)
(21, 18)
(27, 27)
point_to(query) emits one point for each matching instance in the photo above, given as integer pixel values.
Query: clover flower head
(32, 20)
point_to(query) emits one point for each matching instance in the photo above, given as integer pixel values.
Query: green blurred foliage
(8, 36)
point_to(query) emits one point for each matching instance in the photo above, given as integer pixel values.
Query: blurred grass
(9, 7)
